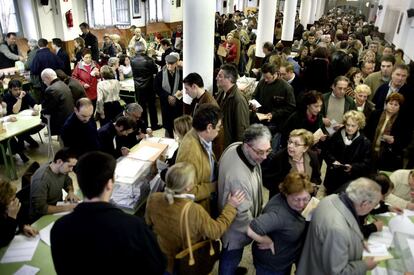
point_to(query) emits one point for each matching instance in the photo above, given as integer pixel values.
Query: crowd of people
(344, 98)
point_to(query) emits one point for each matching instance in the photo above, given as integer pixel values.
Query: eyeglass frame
(304, 200)
(294, 143)
(260, 152)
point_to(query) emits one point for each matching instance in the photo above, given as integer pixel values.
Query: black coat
(357, 154)
(64, 57)
(112, 242)
(143, 70)
(91, 42)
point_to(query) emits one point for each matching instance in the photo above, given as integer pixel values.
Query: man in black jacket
(112, 242)
(91, 42)
(62, 54)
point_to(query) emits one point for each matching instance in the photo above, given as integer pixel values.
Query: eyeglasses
(304, 200)
(260, 152)
(290, 142)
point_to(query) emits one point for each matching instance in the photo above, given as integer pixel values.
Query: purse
(198, 258)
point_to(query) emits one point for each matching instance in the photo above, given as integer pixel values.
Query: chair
(24, 194)
(50, 150)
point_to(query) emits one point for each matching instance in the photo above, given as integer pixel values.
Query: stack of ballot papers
(129, 170)
(21, 249)
(170, 142)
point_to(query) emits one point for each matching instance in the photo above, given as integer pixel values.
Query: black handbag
(199, 258)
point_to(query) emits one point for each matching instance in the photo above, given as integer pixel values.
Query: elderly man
(194, 87)
(336, 103)
(381, 77)
(133, 111)
(9, 52)
(137, 38)
(79, 133)
(58, 101)
(233, 105)
(334, 242)
(169, 85)
(47, 184)
(240, 169)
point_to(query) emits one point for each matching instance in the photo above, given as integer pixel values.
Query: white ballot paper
(45, 233)
(21, 249)
(27, 270)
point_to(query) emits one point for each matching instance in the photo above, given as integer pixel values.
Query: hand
(236, 199)
(379, 225)
(149, 132)
(255, 71)
(371, 264)
(326, 121)
(253, 108)
(22, 94)
(29, 231)
(86, 86)
(21, 58)
(410, 206)
(102, 116)
(348, 168)
(267, 243)
(337, 126)
(124, 151)
(96, 72)
(395, 209)
(13, 208)
(323, 138)
(12, 119)
(71, 197)
(172, 100)
(388, 139)
(336, 163)
(269, 116)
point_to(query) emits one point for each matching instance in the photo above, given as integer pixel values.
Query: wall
(28, 19)
(170, 11)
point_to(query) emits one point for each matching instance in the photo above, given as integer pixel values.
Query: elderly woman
(362, 92)
(9, 209)
(164, 209)
(295, 158)
(113, 62)
(388, 134)
(87, 72)
(347, 153)
(107, 104)
(231, 49)
(279, 232)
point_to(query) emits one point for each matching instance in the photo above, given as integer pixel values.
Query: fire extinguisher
(69, 18)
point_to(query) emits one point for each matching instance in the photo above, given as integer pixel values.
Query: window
(8, 17)
(155, 11)
(104, 13)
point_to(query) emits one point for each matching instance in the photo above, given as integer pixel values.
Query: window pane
(159, 10)
(152, 11)
(8, 17)
(122, 11)
(98, 12)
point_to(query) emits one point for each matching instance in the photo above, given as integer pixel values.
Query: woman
(9, 208)
(164, 209)
(302, 57)
(231, 49)
(317, 73)
(295, 158)
(87, 72)
(113, 62)
(362, 92)
(280, 230)
(347, 153)
(107, 104)
(125, 67)
(355, 75)
(388, 134)
(79, 44)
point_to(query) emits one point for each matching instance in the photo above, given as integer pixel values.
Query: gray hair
(112, 61)
(364, 189)
(255, 132)
(32, 43)
(133, 107)
(48, 73)
(139, 47)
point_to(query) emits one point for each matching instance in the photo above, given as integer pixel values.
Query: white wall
(170, 11)
(28, 19)
(46, 20)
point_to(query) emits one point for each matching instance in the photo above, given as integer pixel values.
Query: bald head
(48, 75)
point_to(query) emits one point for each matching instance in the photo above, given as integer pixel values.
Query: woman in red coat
(87, 72)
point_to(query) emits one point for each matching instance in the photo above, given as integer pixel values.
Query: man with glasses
(197, 148)
(240, 169)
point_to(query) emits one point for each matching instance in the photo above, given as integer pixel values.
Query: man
(62, 54)
(34, 79)
(367, 68)
(233, 105)
(334, 242)
(9, 52)
(47, 184)
(79, 131)
(197, 148)
(91, 42)
(194, 87)
(58, 101)
(133, 111)
(108, 49)
(388, 50)
(286, 72)
(403, 193)
(376, 79)
(336, 104)
(76, 88)
(276, 97)
(44, 59)
(137, 38)
(177, 38)
(166, 46)
(18, 100)
(239, 169)
(169, 85)
(113, 242)
(286, 55)
(107, 134)
(143, 71)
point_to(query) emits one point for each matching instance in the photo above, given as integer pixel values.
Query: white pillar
(230, 6)
(266, 25)
(320, 9)
(313, 12)
(304, 12)
(198, 24)
(289, 14)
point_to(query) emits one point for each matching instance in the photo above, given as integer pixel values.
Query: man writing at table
(47, 184)
(18, 100)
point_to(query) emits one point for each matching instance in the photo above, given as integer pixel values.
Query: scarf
(166, 83)
(346, 139)
(384, 127)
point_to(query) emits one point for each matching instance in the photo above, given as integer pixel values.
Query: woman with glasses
(280, 230)
(295, 158)
(347, 153)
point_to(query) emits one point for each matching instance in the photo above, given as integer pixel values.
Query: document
(172, 146)
(382, 237)
(408, 213)
(255, 103)
(21, 249)
(308, 211)
(401, 224)
(378, 251)
(318, 134)
(27, 270)
(410, 243)
(331, 129)
(45, 233)
(144, 153)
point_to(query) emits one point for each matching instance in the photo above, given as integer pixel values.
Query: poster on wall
(136, 9)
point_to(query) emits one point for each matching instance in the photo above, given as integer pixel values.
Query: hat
(171, 59)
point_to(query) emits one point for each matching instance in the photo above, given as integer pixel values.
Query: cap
(171, 59)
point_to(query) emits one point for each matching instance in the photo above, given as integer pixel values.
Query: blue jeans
(229, 261)
(262, 271)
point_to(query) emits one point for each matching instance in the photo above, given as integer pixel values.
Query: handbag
(198, 258)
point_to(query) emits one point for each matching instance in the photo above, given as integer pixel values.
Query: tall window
(155, 11)
(8, 17)
(104, 13)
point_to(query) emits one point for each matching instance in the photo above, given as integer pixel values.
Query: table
(25, 121)
(41, 259)
(128, 89)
